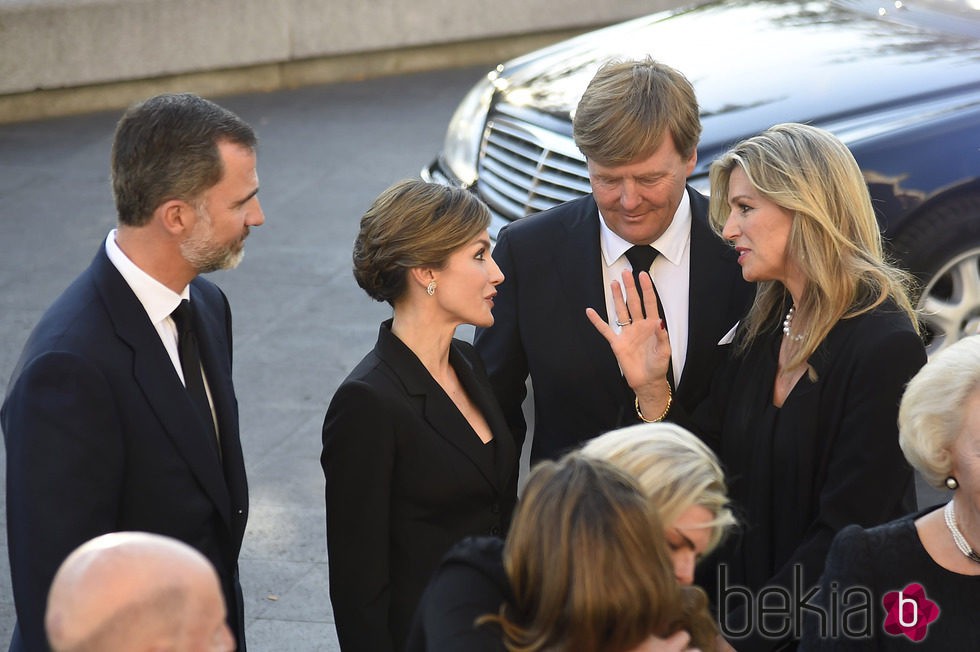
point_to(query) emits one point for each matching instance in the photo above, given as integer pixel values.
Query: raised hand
(641, 347)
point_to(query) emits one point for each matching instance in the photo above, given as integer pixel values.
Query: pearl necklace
(787, 324)
(958, 537)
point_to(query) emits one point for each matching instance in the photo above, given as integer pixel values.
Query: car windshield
(953, 16)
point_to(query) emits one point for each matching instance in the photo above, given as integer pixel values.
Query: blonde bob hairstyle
(627, 109)
(589, 568)
(413, 224)
(834, 239)
(673, 467)
(933, 408)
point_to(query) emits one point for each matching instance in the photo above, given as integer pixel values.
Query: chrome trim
(525, 169)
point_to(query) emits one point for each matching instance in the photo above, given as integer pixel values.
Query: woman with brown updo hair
(416, 452)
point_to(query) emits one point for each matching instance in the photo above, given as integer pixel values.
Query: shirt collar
(671, 244)
(158, 300)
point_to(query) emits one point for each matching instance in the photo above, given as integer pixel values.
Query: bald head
(136, 591)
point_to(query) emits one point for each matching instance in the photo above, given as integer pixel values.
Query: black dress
(883, 560)
(798, 474)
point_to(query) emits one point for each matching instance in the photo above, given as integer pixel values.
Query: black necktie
(641, 259)
(190, 363)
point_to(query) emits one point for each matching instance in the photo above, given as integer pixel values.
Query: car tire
(942, 249)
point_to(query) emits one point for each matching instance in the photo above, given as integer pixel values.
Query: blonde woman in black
(804, 415)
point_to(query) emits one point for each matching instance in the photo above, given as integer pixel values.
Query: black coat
(828, 458)
(101, 436)
(406, 478)
(469, 583)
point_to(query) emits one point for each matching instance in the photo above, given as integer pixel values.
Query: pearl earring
(951, 483)
(431, 288)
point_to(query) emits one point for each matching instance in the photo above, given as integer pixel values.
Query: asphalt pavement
(300, 321)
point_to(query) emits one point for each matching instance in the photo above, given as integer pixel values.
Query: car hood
(755, 63)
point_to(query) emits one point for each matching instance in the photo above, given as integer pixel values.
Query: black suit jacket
(406, 478)
(553, 268)
(101, 436)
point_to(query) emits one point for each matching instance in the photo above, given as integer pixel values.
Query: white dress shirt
(671, 273)
(158, 301)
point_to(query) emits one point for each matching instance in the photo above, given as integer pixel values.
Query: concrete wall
(64, 56)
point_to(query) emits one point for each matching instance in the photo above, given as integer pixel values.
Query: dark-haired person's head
(185, 184)
(427, 242)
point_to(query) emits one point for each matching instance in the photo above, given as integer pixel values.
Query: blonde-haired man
(638, 126)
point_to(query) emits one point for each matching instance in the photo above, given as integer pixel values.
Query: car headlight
(465, 133)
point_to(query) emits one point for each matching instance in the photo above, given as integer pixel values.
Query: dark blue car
(899, 82)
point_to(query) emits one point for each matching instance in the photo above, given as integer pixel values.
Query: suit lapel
(214, 337)
(154, 373)
(437, 409)
(712, 287)
(581, 280)
(505, 456)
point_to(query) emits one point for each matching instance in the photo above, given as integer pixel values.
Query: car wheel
(942, 249)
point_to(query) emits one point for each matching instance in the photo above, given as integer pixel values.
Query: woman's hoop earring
(951, 483)
(431, 288)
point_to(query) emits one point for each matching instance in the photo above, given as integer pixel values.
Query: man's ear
(692, 162)
(175, 215)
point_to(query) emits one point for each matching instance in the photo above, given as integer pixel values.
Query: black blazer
(406, 478)
(101, 436)
(553, 268)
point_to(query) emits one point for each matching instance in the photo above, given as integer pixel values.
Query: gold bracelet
(670, 399)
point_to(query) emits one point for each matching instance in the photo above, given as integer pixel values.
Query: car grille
(525, 168)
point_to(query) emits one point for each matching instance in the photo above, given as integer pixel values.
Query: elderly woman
(803, 416)
(937, 548)
(416, 453)
(682, 481)
(585, 568)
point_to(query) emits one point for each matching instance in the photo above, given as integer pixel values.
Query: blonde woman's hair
(834, 239)
(629, 106)
(413, 224)
(589, 568)
(673, 467)
(934, 407)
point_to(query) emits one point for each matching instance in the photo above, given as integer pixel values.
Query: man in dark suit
(121, 414)
(638, 126)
